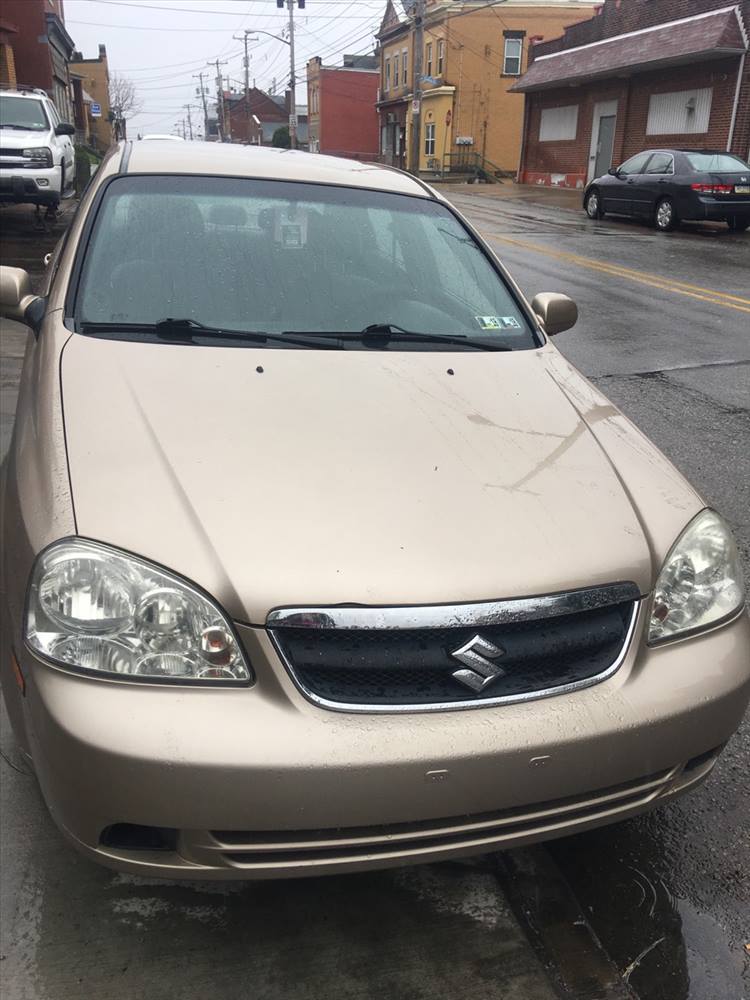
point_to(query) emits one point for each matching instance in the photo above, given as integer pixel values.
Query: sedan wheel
(593, 206)
(665, 218)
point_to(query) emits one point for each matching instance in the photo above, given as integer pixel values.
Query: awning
(690, 39)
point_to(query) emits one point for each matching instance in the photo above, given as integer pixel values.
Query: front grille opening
(418, 666)
(134, 837)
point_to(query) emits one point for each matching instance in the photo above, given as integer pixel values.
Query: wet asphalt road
(664, 332)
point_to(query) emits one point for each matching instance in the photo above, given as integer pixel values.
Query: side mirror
(555, 311)
(17, 301)
(614, 171)
(65, 128)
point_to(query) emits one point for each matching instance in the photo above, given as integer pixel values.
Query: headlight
(94, 609)
(700, 583)
(42, 156)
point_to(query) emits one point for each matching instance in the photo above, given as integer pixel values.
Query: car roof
(229, 160)
(36, 95)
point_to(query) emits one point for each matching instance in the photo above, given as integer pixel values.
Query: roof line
(644, 31)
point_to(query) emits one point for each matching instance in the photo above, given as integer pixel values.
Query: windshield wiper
(381, 334)
(186, 330)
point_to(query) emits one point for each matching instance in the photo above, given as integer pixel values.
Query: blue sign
(96, 110)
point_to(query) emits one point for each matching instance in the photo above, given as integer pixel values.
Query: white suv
(37, 160)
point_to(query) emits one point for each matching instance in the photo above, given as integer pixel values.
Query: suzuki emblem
(477, 654)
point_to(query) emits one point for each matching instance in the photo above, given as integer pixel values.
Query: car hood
(293, 477)
(12, 138)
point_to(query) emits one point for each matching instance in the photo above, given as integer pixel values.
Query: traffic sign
(96, 110)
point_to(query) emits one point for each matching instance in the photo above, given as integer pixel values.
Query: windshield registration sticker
(498, 322)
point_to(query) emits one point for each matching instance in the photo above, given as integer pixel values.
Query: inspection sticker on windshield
(498, 322)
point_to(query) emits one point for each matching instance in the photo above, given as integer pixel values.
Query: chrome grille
(385, 659)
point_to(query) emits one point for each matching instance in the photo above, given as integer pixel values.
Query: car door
(653, 183)
(618, 192)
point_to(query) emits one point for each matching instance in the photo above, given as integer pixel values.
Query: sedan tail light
(713, 188)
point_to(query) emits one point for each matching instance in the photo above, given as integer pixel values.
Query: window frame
(635, 173)
(506, 57)
(387, 75)
(428, 59)
(404, 66)
(661, 173)
(560, 107)
(396, 70)
(429, 138)
(440, 65)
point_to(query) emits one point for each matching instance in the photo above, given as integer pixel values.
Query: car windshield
(716, 163)
(276, 256)
(22, 113)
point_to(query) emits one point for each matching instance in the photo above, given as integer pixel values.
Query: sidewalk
(530, 194)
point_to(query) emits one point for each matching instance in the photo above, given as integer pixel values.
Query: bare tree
(123, 101)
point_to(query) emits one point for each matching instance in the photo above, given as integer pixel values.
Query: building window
(404, 63)
(396, 60)
(428, 59)
(440, 57)
(429, 139)
(387, 84)
(682, 113)
(512, 56)
(558, 123)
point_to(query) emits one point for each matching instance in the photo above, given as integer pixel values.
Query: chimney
(102, 51)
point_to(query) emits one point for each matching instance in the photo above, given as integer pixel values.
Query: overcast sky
(160, 44)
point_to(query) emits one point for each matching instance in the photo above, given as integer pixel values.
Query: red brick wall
(571, 157)
(31, 56)
(348, 118)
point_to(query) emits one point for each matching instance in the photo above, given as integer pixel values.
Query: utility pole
(190, 121)
(246, 62)
(416, 108)
(202, 92)
(292, 75)
(292, 81)
(225, 128)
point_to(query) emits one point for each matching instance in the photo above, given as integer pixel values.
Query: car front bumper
(260, 783)
(23, 186)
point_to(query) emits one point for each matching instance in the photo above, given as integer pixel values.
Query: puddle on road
(664, 944)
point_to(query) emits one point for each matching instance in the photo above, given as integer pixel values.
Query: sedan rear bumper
(259, 783)
(717, 209)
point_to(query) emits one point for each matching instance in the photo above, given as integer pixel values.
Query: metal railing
(470, 164)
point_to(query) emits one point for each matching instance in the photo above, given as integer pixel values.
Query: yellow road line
(617, 271)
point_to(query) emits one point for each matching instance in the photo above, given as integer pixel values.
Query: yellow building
(94, 77)
(473, 54)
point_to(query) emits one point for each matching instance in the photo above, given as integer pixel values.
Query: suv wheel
(665, 217)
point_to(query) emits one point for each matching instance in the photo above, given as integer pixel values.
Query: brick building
(42, 48)
(638, 74)
(473, 54)
(253, 118)
(341, 106)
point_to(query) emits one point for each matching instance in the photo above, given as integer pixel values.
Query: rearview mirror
(65, 128)
(556, 312)
(17, 301)
(614, 171)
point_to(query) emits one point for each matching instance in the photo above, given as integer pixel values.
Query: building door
(603, 124)
(605, 145)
